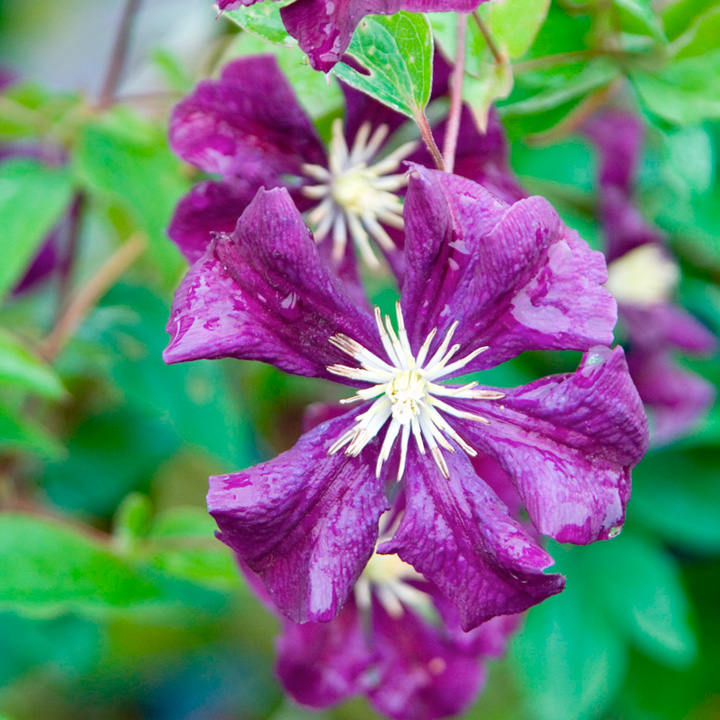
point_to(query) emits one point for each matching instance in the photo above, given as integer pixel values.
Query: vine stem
(429, 140)
(86, 297)
(456, 85)
(499, 56)
(118, 54)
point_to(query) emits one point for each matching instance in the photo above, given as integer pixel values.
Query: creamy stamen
(355, 197)
(404, 392)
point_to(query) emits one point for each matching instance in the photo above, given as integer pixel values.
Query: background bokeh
(116, 602)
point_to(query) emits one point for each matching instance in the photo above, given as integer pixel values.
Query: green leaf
(396, 52)
(638, 585)
(264, 20)
(132, 520)
(514, 24)
(28, 110)
(539, 111)
(22, 368)
(182, 543)
(129, 162)
(21, 434)
(569, 660)
(33, 197)
(701, 37)
(676, 495)
(108, 456)
(319, 94)
(686, 91)
(50, 568)
(677, 16)
(638, 16)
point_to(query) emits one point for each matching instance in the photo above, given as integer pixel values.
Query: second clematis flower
(643, 276)
(484, 281)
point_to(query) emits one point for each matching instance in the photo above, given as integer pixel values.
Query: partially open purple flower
(397, 641)
(484, 281)
(642, 277)
(324, 28)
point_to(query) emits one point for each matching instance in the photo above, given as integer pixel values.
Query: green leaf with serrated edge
(23, 435)
(50, 568)
(318, 93)
(33, 198)
(638, 16)
(263, 19)
(20, 367)
(685, 91)
(651, 606)
(396, 53)
(568, 659)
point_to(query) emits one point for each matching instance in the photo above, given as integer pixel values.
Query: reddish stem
(429, 140)
(456, 86)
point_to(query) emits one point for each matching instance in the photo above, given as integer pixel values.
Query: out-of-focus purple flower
(248, 128)
(642, 277)
(484, 281)
(397, 641)
(53, 256)
(324, 28)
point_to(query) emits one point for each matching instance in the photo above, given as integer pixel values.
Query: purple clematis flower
(484, 281)
(324, 28)
(397, 641)
(642, 277)
(248, 127)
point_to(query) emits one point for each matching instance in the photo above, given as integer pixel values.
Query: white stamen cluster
(387, 576)
(407, 394)
(643, 276)
(355, 197)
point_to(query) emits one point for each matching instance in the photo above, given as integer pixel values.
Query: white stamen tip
(404, 392)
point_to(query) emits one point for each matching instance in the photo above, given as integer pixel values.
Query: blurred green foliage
(115, 599)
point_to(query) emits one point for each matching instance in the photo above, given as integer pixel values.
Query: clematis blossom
(642, 277)
(484, 281)
(398, 642)
(248, 128)
(324, 28)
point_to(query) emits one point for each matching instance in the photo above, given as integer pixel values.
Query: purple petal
(569, 442)
(676, 398)
(481, 157)
(209, 208)
(306, 522)
(618, 136)
(263, 293)
(664, 326)
(421, 673)
(459, 528)
(247, 124)
(513, 276)
(324, 28)
(624, 225)
(320, 664)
